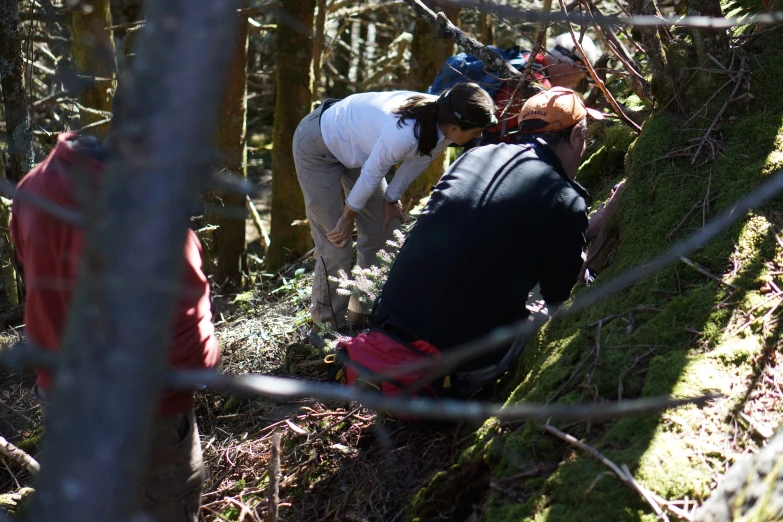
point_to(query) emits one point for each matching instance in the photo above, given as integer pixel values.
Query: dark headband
(568, 54)
(460, 118)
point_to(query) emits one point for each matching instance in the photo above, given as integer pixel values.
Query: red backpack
(362, 360)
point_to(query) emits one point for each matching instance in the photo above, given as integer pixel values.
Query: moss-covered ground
(678, 332)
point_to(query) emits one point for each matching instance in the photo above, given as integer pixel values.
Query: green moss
(690, 337)
(607, 162)
(30, 444)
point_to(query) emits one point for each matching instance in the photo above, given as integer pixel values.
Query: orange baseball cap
(559, 107)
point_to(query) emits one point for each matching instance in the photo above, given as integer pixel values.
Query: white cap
(565, 49)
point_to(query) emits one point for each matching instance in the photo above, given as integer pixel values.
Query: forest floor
(338, 461)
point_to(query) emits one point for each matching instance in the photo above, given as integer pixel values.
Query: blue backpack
(465, 67)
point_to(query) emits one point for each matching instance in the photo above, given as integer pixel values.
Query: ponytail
(466, 105)
(424, 110)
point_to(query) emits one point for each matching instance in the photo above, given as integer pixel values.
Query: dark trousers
(171, 488)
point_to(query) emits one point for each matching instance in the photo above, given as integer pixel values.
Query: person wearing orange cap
(503, 219)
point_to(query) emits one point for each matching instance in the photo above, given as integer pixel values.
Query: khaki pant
(171, 488)
(323, 179)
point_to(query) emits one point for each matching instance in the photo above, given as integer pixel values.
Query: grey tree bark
(111, 367)
(17, 116)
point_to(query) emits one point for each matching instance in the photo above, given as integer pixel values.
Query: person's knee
(171, 489)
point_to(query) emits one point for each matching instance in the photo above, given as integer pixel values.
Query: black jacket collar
(546, 153)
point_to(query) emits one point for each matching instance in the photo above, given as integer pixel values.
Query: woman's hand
(343, 231)
(391, 211)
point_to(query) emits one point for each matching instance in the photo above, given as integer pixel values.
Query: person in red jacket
(49, 251)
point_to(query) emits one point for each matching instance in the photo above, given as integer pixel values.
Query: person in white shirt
(348, 146)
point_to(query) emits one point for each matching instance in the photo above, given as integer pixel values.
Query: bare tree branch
(445, 409)
(623, 474)
(598, 82)
(703, 22)
(539, 44)
(445, 29)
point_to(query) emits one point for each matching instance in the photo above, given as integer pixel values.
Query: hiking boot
(317, 337)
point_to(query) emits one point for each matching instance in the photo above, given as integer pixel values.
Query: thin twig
(598, 82)
(251, 207)
(273, 493)
(640, 85)
(705, 206)
(740, 78)
(542, 29)
(703, 271)
(448, 409)
(623, 474)
(683, 220)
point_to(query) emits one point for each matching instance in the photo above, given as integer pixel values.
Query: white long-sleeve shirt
(361, 131)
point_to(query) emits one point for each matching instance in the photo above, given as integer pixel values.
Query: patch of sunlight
(774, 160)
(677, 461)
(750, 240)
(703, 375)
(736, 352)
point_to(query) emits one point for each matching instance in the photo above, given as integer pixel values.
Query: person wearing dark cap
(503, 219)
(50, 252)
(348, 146)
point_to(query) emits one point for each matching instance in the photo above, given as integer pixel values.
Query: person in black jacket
(503, 219)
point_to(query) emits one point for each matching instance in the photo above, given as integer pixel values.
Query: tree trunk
(427, 52)
(17, 118)
(7, 267)
(662, 85)
(112, 364)
(707, 41)
(341, 62)
(427, 57)
(318, 46)
(292, 103)
(226, 253)
(486, 31)
(92, 48)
